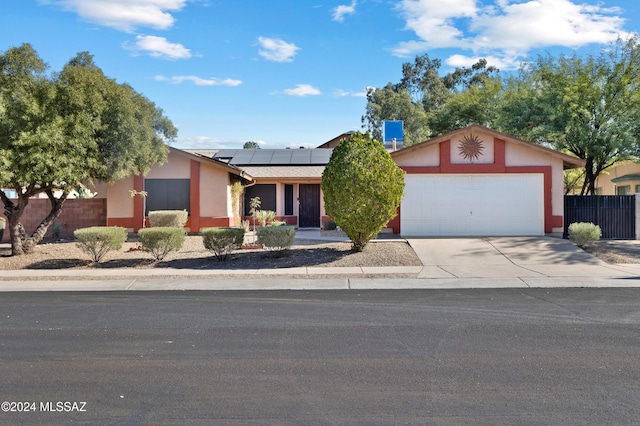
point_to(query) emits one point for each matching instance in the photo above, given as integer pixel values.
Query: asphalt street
(482, 356)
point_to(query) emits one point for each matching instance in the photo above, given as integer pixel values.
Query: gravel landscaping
(193, 255)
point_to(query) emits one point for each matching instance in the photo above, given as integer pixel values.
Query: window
(167, 194)
(11, 193)
(267, 194)
(623, 190)
(637, 189)
(288, 199)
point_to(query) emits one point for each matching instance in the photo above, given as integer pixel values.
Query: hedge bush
(583, 234)
(276, 238)
(168, 218)
(162, 240)
(222, 241)
(97, 241)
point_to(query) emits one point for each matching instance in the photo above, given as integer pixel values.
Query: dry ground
(193, 255)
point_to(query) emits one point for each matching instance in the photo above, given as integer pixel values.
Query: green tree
(475, 105)
(251, 145)
(388, 104)
(59, 130)
(587, 106)
(420, 92)
(362, 188)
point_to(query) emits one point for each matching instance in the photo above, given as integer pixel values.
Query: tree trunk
(20, 242)
(589, 186)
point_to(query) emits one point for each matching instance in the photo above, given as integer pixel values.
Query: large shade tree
(588, 106)
(421, 93)
(59, 130)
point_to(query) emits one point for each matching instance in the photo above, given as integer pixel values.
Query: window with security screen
(167, 194)
(267, 194)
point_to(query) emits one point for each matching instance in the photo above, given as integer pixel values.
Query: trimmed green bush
(329, 225)
(276, 238)
(583, 234)
(362, 188)
(97, 241)
(162, 240)
(168, 218)
(222, 241)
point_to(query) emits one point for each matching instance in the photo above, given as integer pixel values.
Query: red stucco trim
(212, 222)
(194, 204)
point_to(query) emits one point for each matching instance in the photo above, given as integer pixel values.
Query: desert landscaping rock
(193, 255)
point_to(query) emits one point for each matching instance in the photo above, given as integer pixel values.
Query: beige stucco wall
(120, 202)
(604, 184)
(176, 167)
(215, 192)
(429, 156)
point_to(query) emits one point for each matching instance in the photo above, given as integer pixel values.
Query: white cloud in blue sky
(346, 9)
(505, 30)
(215, 66)
(124, 15)
(198, 81)
(277, 50)
(159, 47)
(303, 90)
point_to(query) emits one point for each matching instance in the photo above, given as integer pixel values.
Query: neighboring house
(623, 179)
(335, 141)
(200, 185)
(471, 182)
(479, 182)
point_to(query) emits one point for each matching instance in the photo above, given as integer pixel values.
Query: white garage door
(473, 205)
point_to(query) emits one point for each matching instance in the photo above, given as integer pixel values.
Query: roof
(335, 141)
(568, 161)
(202, 158)
(268, 157)
(624, 178)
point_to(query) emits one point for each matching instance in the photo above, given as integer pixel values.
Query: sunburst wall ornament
(470, 147)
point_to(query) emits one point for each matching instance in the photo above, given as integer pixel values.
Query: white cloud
(124, 15)
(503, 62)
(303, 90)
(506, 29)
(159, 47)
(340, 11)
(340, 93)
(198, 81)
(277, 50)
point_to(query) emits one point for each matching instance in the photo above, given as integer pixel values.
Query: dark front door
(309, 200)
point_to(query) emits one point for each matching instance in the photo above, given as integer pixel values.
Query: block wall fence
(76, 213)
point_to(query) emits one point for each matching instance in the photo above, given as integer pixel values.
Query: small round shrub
(161, 241)
(97, 241)
(583, 234)
(222, 241)
(276, 238)
(168, 218)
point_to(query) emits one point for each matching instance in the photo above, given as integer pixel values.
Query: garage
(473, 205)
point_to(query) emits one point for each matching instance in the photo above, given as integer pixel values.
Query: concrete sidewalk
(500, 262)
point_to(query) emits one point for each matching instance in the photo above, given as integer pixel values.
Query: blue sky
(288, 73)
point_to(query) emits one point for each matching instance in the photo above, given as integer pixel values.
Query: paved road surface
(495, 356)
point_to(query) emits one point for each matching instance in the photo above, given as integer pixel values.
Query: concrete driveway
(510, 257)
